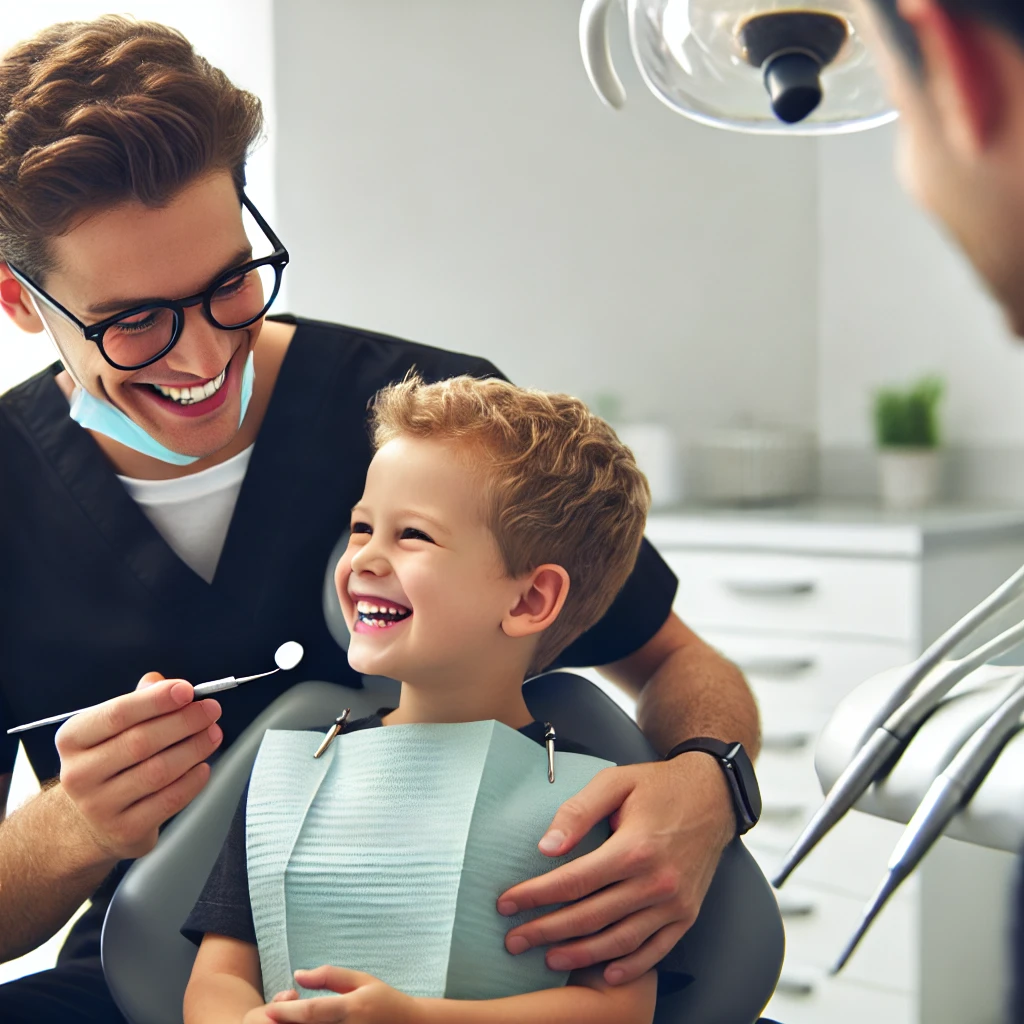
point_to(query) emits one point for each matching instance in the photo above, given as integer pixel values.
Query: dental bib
(388, 853)
(97, 414)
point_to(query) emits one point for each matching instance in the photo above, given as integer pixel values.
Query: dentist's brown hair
(96, 113)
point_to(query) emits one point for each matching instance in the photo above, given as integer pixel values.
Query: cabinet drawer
(804, 671)
(820, 923)
(858, 597)
(851, 860)
(785, 767)
(812, 998)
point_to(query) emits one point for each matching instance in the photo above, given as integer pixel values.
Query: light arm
(685, 688)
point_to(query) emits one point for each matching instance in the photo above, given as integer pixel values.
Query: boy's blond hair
(559, 485)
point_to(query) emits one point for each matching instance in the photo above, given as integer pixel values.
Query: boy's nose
(370, 559)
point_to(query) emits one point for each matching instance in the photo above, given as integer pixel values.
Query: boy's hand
(259, 1015)
(639, 891)
(363, 999)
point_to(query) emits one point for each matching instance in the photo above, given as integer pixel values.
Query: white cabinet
(809, 603)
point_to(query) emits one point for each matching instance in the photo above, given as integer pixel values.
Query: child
(496, 525)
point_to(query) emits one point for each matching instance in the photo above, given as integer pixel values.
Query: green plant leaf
(908, 418)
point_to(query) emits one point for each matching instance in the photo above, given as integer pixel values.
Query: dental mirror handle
(198, 692)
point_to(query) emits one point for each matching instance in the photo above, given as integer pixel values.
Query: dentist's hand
(641, 890)
(135, 761)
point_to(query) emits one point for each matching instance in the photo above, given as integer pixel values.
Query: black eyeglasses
(145, 333)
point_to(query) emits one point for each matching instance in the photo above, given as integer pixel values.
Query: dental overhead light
(773, 67)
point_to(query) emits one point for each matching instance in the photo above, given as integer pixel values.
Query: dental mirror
(286, 657)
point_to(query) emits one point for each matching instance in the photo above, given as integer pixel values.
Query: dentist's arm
(642, 889)
(685, 688)
(48, 868)
(126, 767)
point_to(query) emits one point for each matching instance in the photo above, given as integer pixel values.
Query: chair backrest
(734, 950)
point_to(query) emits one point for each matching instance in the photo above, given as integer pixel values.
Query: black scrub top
(92, 596)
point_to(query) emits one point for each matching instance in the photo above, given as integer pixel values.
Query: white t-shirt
(193, 513)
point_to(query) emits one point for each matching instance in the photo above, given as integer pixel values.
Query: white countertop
(826, 528)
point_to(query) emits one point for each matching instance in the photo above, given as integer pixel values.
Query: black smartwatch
(739, 773)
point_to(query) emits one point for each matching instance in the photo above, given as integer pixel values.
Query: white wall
(446, 173)
(898, 300)
(234, 35)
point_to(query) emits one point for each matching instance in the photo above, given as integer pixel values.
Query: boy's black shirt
(224, 907)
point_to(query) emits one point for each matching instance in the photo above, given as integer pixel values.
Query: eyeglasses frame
(278, 259)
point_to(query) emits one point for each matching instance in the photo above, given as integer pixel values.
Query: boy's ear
(540, 600)
(16, 304)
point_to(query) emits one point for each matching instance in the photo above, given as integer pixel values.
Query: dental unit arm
(913, 699)
(947, 796)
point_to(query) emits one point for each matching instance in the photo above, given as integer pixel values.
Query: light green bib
(388, 853)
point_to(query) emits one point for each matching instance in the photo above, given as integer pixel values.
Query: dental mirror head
(288, 655)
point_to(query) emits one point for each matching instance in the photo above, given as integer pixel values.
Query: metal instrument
(908, 706)
(287, 656)
(946, 797)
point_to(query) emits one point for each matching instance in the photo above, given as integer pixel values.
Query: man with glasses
(170, 496)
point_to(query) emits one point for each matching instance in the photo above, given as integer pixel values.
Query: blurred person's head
(956, 73)
(122, 162)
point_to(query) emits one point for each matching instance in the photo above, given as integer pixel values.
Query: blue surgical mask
(99, 415)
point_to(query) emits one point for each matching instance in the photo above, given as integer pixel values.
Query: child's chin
(367, 664)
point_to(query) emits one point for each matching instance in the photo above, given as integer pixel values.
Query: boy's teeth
(369, 611)
(189, 396)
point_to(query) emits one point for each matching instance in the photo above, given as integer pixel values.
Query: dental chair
(734, 950)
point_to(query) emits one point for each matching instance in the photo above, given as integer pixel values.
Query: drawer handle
(790, 907)
(794, 985)
(768, 666)
(784, 812)
(770, 588)
(787, 741)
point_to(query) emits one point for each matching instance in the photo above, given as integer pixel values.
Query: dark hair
(1007, 15)
(96, 113)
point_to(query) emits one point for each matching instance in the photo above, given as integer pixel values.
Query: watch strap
(739, 775)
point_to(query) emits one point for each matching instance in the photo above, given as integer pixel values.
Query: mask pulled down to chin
(94, 413)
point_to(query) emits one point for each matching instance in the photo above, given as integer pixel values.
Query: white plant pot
(909, 477)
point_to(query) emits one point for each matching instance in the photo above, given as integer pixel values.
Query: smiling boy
(495, 526)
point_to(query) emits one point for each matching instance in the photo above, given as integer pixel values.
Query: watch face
(748, 783)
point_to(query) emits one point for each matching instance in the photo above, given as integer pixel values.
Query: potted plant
(908, 436)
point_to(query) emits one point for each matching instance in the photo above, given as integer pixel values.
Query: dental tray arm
(994, 817)
(913, 695)
(946, 797)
